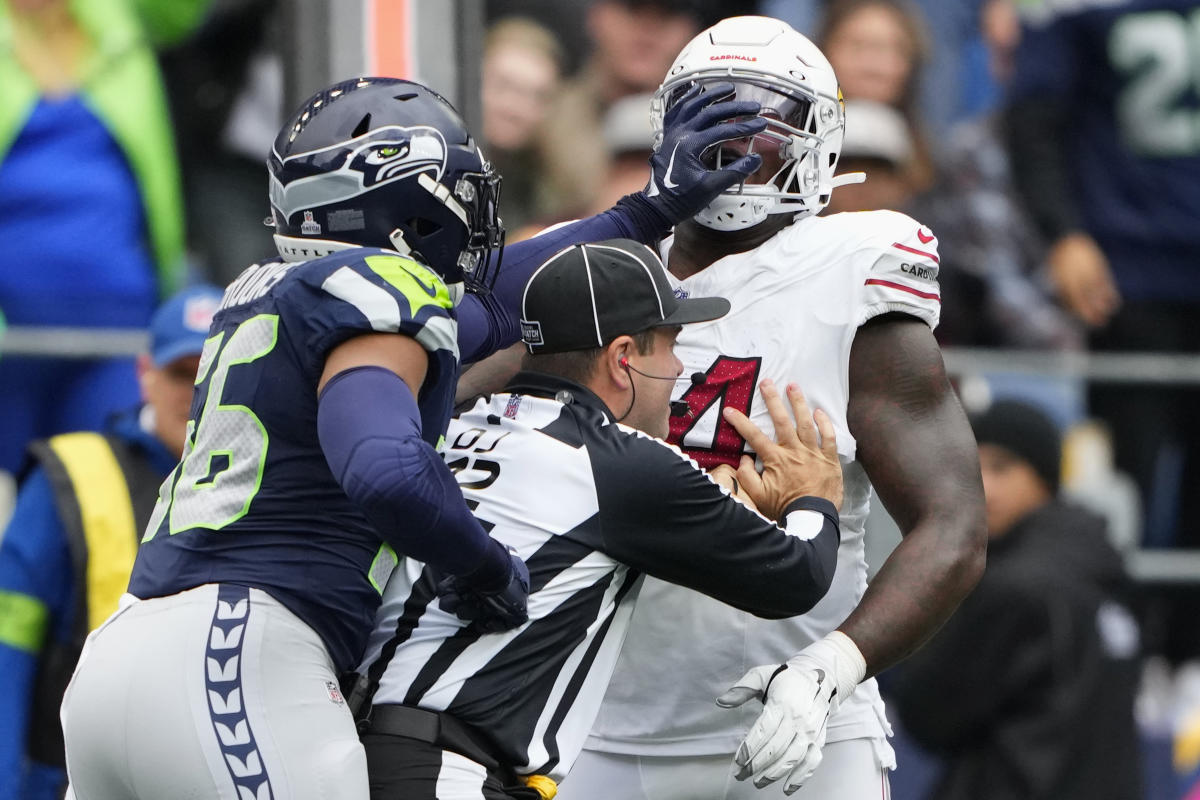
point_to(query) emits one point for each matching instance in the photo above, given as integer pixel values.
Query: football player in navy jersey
(1103, 131)
(310, 466)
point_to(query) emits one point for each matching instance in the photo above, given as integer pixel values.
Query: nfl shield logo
(514, 405)
(198, 313)
(309, 227)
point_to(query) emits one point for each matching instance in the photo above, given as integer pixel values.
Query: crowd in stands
(1053, 147)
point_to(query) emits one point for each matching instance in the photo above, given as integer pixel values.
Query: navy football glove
(493, 609)
(681, 184)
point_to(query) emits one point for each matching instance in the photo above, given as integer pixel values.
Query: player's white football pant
(217, 692)
(850, 770)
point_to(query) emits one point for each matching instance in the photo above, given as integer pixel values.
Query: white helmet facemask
(767, 62)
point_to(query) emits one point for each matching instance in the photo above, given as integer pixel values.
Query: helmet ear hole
(423, 226)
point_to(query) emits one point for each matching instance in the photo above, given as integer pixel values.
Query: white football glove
(797, 697)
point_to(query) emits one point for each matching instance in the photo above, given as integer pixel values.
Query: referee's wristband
(806, 517)
(811, 503)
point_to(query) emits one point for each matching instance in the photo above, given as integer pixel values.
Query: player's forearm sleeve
(370, 431)
(488, 324)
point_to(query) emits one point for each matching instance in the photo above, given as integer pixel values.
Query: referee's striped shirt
(590, 506)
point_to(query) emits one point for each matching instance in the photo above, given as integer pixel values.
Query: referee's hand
(726, 476)
(802, 461)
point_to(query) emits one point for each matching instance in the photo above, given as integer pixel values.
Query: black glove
(491, 609)
(681, 185)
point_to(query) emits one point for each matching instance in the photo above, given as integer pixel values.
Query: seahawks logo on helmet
(384, 155)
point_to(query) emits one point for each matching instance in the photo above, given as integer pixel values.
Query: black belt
(432, 727)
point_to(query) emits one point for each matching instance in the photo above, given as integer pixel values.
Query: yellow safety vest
(104, 492)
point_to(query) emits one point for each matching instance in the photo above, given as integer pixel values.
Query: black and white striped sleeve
(661, 514)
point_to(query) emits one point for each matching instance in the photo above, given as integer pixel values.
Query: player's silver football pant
(217, 692)
(850, 770)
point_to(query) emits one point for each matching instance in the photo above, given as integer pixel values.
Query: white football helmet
(769, 62)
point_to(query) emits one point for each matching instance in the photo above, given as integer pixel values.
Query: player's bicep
(913, 437)
(397, 353)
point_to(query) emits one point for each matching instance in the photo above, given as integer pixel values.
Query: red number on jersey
(728, 382)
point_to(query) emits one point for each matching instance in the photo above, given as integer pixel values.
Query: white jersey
(797, 301)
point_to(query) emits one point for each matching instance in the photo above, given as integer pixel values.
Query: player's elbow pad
(370, 431)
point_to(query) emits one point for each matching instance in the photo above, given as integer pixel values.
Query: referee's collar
(567, 392)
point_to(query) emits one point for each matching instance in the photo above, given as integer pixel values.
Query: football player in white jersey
(844, 306)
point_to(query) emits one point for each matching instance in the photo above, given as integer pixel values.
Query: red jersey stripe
(917, 252)
(903, 288)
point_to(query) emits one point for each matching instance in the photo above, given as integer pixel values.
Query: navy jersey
(253, 501)
(1128, 73)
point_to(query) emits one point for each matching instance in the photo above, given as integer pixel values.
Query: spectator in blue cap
(66, 554)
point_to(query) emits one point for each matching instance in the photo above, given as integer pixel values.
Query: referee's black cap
(588, 294)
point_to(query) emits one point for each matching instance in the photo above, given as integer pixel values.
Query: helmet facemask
(474, 204)
(791, 179)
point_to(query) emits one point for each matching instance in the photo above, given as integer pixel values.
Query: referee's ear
(612, 379)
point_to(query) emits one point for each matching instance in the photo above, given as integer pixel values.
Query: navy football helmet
(382, 162)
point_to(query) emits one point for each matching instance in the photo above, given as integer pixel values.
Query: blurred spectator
(878, 49)
(1103, 129)
(878, 142)
(990, 250)
(225, 86)
(562, 18)
(90, 209)
(1091, 479)
(803, 15)
(995, 290)
(1028, 691)
(994, 287)
(66, 555)
(628, 139)
(992, 253)
(633, 45)
(521, 69)
(957, 83)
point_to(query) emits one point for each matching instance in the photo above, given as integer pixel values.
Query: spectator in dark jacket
(1028, 690)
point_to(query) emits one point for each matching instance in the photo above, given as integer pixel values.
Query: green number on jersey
(227, 447)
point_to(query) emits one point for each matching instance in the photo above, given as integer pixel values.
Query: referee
(560, 467)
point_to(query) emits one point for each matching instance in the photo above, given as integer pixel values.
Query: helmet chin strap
(730, 212)
(396, 237)
(735, 212)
